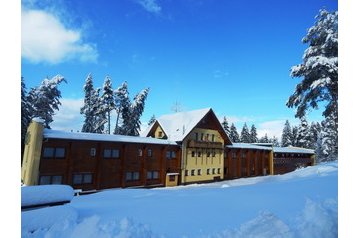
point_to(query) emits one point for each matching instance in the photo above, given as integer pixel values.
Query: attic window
(160, 134)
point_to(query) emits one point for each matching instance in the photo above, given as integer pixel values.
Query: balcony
(205, 144)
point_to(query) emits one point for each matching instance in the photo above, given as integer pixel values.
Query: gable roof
(178, 125)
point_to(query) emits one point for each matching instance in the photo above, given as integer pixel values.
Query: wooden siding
(80, 158)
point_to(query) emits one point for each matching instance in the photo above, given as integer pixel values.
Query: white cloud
(45, 39)
(68, 116)
(271, 128)
(150, 5)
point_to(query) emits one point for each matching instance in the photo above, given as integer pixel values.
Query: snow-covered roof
(292, 149)
(178, 125)
(56, 134)
(248, 146)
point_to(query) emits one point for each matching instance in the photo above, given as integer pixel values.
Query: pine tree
(303, 133)
(26, 114)
(100, 118)
(245, 134)
(286, 138)
(129, 112)
(122, 103)
(45, 99)
(314, 131)
(319, 69)
(151, 120)
(234, 135)
(264, 139)
(88, 109)
(330, 138)
(137, 109)
(108, 101)
(294, 138)
(253, 134)
(274, 141)
(225, 125)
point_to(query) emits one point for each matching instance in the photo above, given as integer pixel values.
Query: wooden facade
(200, 152)
(97, 165)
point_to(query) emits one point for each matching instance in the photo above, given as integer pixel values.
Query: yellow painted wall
(157, 132)
(271, 163)
(203, 162)
(32, 153)
(169, 183)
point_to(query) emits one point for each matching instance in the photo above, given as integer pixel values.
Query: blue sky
(233, 56)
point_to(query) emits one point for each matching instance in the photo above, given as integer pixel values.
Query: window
(48, 152)
(45, 180)
(57, 179)
(171, 178)
(199, 171)
(152, 175)
(186, 172)
(54, 153)
(131, 176)
(173, 155)
(208, 171)
(207, 154)
(111, 153)
(196, 136)
(213, 138)
(140, 152)
(50, 179)
(93, 152)
(149, 153)
(199, 154)
(225, 170)
(201, 136)
(219, 171)
(193, 153)
(84, 178)
(193, 172)
(206, 137)
(160, 134)
(214, 171)
(213, 154)
(168, 155)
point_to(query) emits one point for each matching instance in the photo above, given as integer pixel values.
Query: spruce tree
(108, 101)
(319, 69)
(151, 120)
(303, 133)
(294, 136)
(122, 103)
(26, 114)
(225, 125)
(253, 134)
(100, 113)
(286, 138)
(245, 134)
(88, 109)
(137, 109)
(330, 138)
(234, 135)
(264, 139)
(45, 99)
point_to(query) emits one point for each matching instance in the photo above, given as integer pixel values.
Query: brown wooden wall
(288, 162)
(240, 163)
(109, 172)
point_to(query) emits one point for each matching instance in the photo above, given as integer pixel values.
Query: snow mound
(42, 194)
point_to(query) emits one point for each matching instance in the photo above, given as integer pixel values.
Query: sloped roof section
(55, 134)
(248, 146)
(178, 125)
(291, 149)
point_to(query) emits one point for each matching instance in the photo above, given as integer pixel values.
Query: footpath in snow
(298, 204)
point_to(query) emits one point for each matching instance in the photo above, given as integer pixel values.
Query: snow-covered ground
(303, 203)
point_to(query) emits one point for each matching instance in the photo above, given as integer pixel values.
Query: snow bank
(43, 219)
(42, 194)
